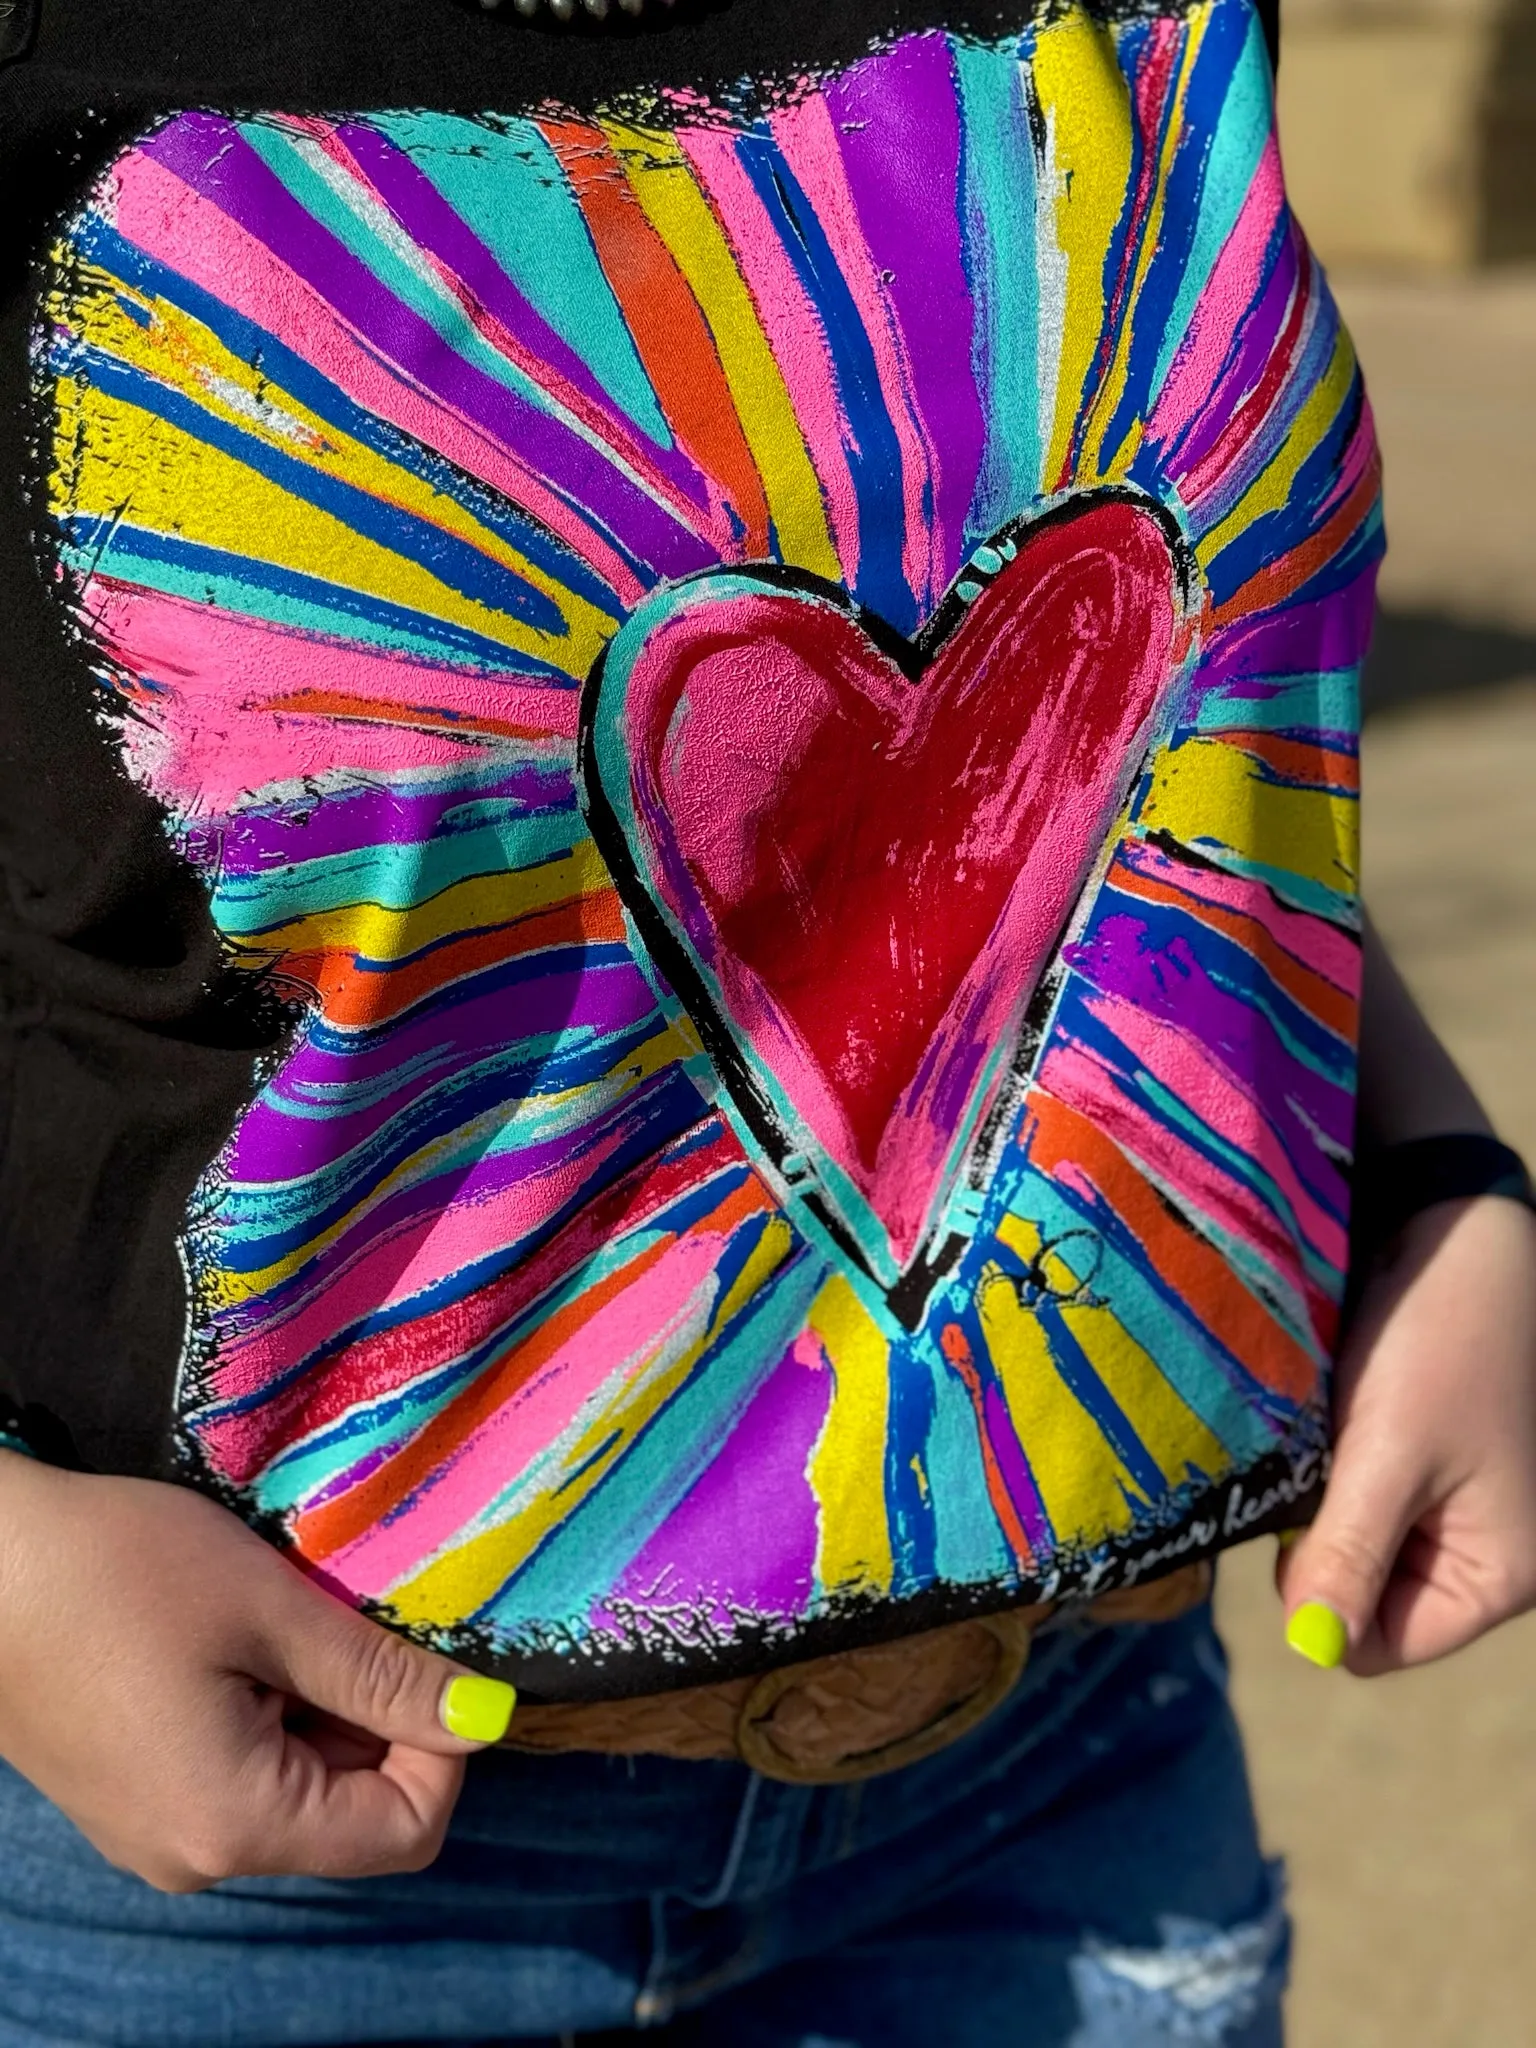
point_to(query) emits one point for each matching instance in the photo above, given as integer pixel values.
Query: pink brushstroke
(808, 137)
(1318, 945)
(425, 1253)
(1219, 311)
(1077, 1079)
(153, 208)
(227, 739)
(605, 1354)
(1188, 1070)
(792, 326)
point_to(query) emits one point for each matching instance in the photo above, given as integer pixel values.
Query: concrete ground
(1406, 1807)
(1450, 364)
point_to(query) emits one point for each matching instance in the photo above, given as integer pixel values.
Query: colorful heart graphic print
(512, 1311)
(852, 856)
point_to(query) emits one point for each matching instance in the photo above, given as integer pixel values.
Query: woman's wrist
(1394, 1183)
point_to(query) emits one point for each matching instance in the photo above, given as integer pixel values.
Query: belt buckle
(1010, 1635)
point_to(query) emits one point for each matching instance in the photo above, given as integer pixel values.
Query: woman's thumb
(344, 1664)
(1332, 1575)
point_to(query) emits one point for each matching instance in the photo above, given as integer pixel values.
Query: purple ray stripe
(1315, 345)
(745, 1536)
(340, 1482)
(1304, 372)
(1251, 350)
(1170, 982)
(909, 210)
(1322, 633)
(601, 998)
(1173, 982)
(256, 842)
(210, 155)
(431, 222)
(572, 1161)
(273, 1143)
(1014, 1467)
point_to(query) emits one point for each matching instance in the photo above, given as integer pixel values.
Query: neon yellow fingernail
(478, 1709)
(1289, 1538)
(1318, 1634)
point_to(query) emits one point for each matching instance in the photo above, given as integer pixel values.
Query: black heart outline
(908, 1297)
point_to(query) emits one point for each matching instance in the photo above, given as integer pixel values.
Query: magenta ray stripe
(356, 820)
(1251, 353)
(211, 156)
(877, 109)
(432, 223)
(1322, 633)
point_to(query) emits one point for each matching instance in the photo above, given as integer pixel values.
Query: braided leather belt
(849, 1716)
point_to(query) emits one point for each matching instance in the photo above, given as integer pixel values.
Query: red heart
(853, 856)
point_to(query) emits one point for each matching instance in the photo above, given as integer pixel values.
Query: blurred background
(1406, 1808)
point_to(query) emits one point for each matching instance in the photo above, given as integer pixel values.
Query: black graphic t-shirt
(679, 955)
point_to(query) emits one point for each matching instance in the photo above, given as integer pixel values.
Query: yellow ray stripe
(663, 183)
(188, 358)
(767, 1255)
(1272, 488)
(229, 1288)
(1085, 1487)
(375, 932)
(124, 462)
(847, 1467)
(462, 1579)
(1174, 1435)
(1113, 388)
(1086, 103)
(1206, 790)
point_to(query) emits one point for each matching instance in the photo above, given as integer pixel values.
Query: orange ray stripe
(663, 316)
(375, 1365)
(419, 717)
(1301, 761)
(1319, 998)
(1272, 585)
(956, 1348)
(355, 998)
(326, 1529)
(1058, 1137)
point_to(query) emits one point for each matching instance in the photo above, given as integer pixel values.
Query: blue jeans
(1081, 1871)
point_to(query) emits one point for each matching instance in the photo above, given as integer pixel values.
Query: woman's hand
(1426, 1538)
(201, 1710)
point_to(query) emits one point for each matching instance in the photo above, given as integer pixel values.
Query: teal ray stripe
(283, 597)
(409, 282)
(999, 199)
(506, 183)
(1326, 703)
(1240, 136)
(393, 875)
(584, 1556)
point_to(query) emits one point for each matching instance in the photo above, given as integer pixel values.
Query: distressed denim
(1082, 1871)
